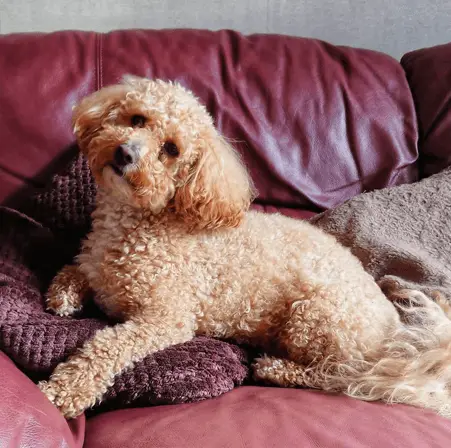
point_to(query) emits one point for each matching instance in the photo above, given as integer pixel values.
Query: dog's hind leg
(286, 373)
(408, 364)
(278, 371)
(315, 339)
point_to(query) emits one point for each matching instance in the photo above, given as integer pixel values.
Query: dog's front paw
(64, 303)
(70, 402)
(73, 387)
(64, 300)
(67, 292)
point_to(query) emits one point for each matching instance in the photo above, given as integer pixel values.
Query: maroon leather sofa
(317, 124)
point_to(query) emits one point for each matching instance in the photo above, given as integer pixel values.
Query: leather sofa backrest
(316, 124)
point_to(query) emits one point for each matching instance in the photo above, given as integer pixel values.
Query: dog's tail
(413, 365)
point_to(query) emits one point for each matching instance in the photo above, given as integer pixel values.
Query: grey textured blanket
(402, 234)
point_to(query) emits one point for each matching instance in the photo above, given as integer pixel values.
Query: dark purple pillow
(33, 247)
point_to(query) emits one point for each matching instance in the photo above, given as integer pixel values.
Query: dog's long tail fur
(413, 365)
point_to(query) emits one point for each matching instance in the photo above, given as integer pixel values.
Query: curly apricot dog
(174, 252)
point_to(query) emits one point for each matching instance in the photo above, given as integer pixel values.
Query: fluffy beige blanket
(402, 235)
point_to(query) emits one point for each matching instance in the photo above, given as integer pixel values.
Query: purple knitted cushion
(32, 249)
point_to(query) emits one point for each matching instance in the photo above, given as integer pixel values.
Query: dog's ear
(88, 115)
(218, 190)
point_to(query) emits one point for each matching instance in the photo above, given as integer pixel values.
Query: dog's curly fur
(174, 252)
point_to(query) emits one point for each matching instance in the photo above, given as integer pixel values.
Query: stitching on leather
(97, 63)
(101, 59)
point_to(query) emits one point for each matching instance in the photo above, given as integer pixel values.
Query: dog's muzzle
(125, 155)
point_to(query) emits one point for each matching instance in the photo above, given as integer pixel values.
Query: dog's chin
(117, 186)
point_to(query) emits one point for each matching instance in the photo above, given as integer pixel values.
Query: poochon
(174, 253)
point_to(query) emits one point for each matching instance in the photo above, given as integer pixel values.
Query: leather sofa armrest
(27, 418)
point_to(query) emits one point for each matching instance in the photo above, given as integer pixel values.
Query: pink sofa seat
(264, 417)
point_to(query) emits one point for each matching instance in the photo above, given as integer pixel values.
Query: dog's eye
(170, 148)
(138, 121)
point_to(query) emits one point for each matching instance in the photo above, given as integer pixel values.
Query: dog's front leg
(67, 292)
(80, 382)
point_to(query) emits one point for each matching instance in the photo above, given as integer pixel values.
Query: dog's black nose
(125, 155)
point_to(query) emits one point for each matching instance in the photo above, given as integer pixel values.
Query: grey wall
(392, 26)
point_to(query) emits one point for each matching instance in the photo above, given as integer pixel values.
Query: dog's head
(151, 144)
